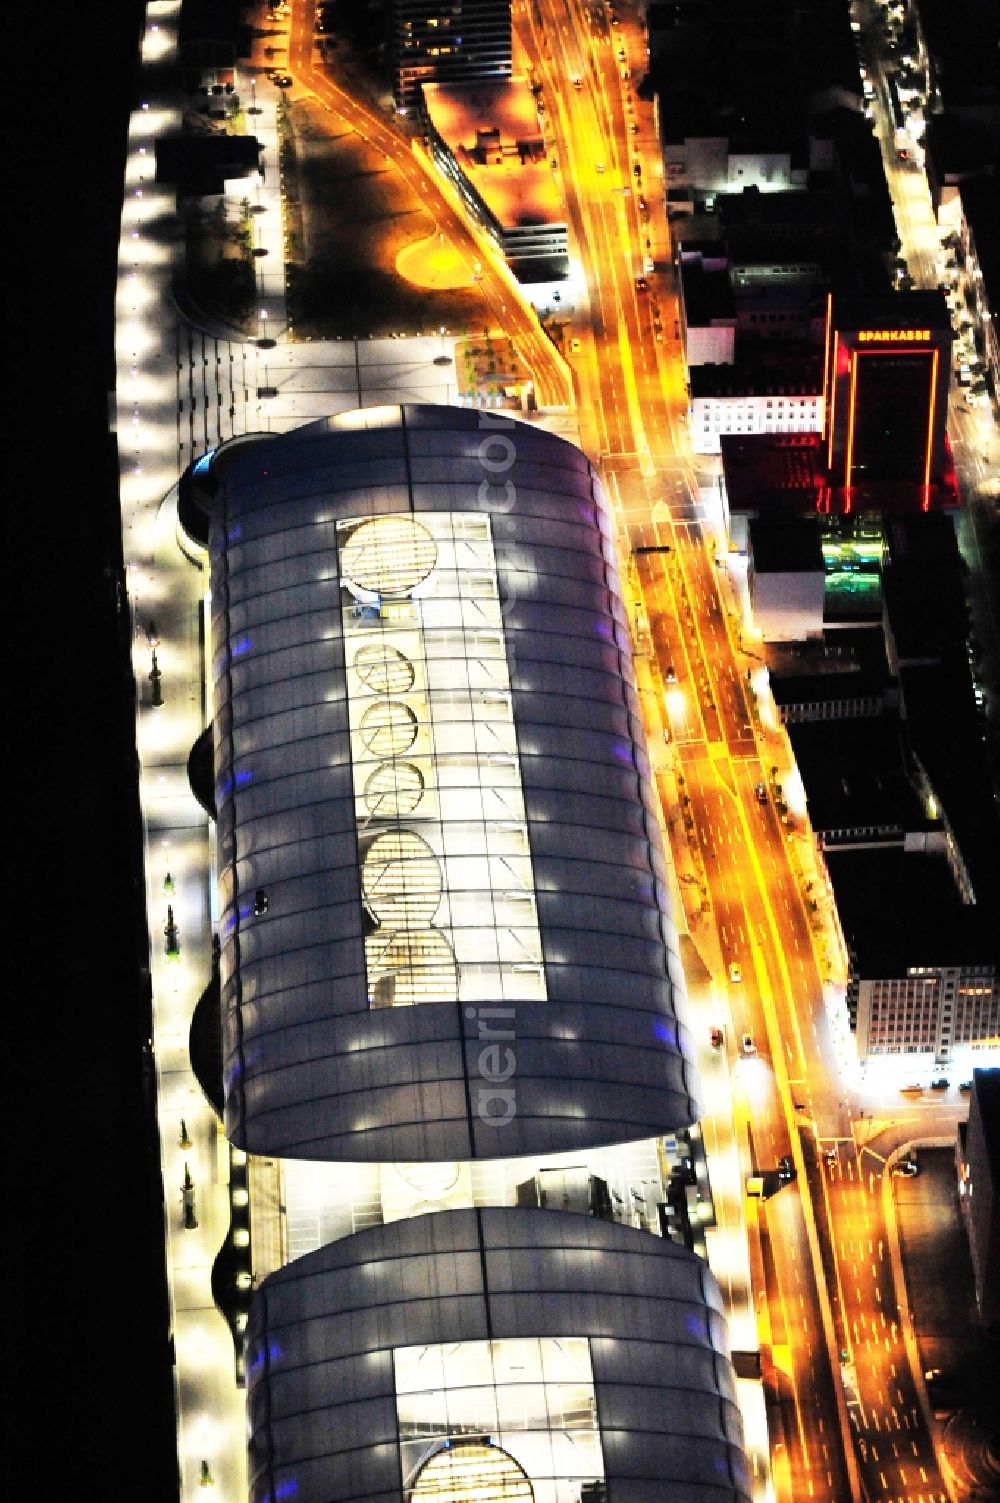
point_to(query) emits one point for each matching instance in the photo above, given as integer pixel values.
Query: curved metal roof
(327, 1335)
(481, 549)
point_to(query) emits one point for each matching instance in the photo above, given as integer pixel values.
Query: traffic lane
(887, 1415)
(822, 1473)
(676, 660)
(680, 642)
(729, 690)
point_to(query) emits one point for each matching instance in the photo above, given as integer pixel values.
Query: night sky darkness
(86, 1376)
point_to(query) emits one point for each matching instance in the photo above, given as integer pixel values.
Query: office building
(888, 365)
(451, 992)
(924, 974)
(487, 138)
(446, 41)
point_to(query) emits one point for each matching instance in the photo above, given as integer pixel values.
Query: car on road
(932, 1375)
(281, 80)
(599, 166)
(671, 674)
(575, 346)
(641, 284)
(761, 792)
(747, 1044)
(786, 1168)
(908, 1168)
(913, 1089)
(941, 1084)
(578, 83)
(830, 1154)
(735, 974)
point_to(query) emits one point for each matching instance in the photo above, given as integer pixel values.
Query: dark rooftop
(963, 37)
(762, 372)
(901, 909)
(922, 587)
(791, 547)
(846, 664)
(707, 295)
(894, 310)
(857, 776)
(784, 475)
(200, 165)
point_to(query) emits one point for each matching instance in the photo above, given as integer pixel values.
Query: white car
(735, 974)
(747, 1044)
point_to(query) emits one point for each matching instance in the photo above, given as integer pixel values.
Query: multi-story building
(925, 972)
(486, 137)
(446, 41)
(888, 368)
(451, 993)
(741, 399)
(979, 1183)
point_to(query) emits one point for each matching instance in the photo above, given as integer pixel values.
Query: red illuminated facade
(885, 389)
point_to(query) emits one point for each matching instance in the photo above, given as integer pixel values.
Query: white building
(726, 400)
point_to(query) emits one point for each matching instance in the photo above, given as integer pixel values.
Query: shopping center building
(452, 1001)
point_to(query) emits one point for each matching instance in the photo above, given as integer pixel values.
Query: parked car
(747, 1044)
(716, 1035)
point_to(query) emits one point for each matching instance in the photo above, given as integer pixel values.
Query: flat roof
(707, 294)
(856, 774)
(848, 663)
(901, 908)
(922, 587)
(784, 474)
(892, 310)
(789, 546)
(756, 375)
(491, 128)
